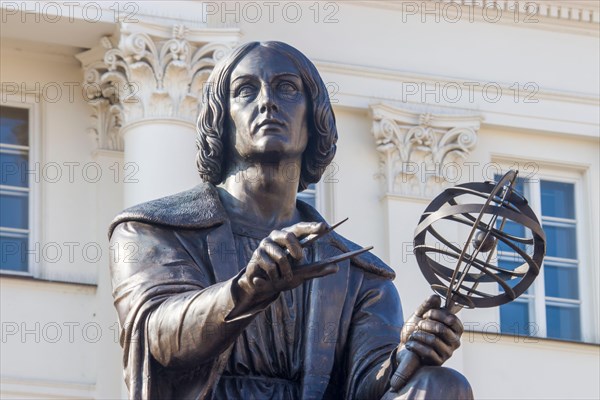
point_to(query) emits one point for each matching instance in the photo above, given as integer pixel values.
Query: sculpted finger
(427, 354)
(256, 276)
(434, 301)
(259, 283)
(441, 331)
(306, 273)
(283, 269)
(289, 241)
(253, 267)
(429, 339)
(424, 337)
(302, 229)
(267, 265)
(447, 318)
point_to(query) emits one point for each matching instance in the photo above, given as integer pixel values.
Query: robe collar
(201, 208)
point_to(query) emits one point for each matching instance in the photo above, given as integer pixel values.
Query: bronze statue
(224, 302)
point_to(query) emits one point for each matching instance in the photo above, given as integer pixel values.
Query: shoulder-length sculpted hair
(211, 126)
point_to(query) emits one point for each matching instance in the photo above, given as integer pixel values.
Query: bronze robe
(173, 294)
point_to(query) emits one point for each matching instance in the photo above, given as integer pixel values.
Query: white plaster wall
(391, 53)
(513, 368)
(54, 329)
(61, 339)
(63, 173)
(384, 38)
(356, 189)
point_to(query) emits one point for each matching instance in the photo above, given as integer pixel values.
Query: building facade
(98, 109)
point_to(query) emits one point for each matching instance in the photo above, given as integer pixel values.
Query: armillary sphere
(469, 275)
(501, 226)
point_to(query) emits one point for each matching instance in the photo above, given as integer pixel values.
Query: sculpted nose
(266, 101)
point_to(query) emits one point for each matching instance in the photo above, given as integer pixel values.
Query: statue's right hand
(270, 269)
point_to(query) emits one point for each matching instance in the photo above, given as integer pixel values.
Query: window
(320, 196)
(551, 307)
(309, 195)
(14, 188)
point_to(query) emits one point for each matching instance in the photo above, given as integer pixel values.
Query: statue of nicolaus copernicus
(215, 302)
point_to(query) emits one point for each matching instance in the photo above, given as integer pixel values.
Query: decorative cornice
(579, 17)
(149, 74)
(418, 151)
(477, 85)
(360, 86)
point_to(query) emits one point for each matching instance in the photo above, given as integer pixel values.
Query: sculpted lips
(269, 123)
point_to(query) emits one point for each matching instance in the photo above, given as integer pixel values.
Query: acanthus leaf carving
(417, 150)
(147, 76)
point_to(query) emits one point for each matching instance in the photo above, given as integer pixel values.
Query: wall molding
(405, 76)
(49, 389)
(356, 87)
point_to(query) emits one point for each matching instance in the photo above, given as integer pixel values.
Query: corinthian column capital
(148, 72)
(418, 151)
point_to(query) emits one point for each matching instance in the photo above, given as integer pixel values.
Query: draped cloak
(172, 291)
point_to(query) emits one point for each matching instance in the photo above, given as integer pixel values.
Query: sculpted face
(267, 108)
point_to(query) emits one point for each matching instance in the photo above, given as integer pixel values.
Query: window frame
(323, 193)
(578, 175)
(30, 102)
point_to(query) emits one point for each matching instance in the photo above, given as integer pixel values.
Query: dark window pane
(511, 264)
(514, 229)
(308, 198)
(563, 322)
(14, 210)
(514, 318)
(561, 282)
(510, 227)
(13, 253)
(13, 169)
(309, 195)
(561, 241)
(519, 184)
(14, 126)
(558, 199)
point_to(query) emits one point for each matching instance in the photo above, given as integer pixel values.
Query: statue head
(212, 127)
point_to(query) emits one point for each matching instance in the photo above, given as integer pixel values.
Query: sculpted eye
(288, 89)
(245, 91)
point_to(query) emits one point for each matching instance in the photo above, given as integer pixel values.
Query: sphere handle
(409, 363)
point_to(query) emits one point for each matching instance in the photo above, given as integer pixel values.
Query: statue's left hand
(432, 332)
